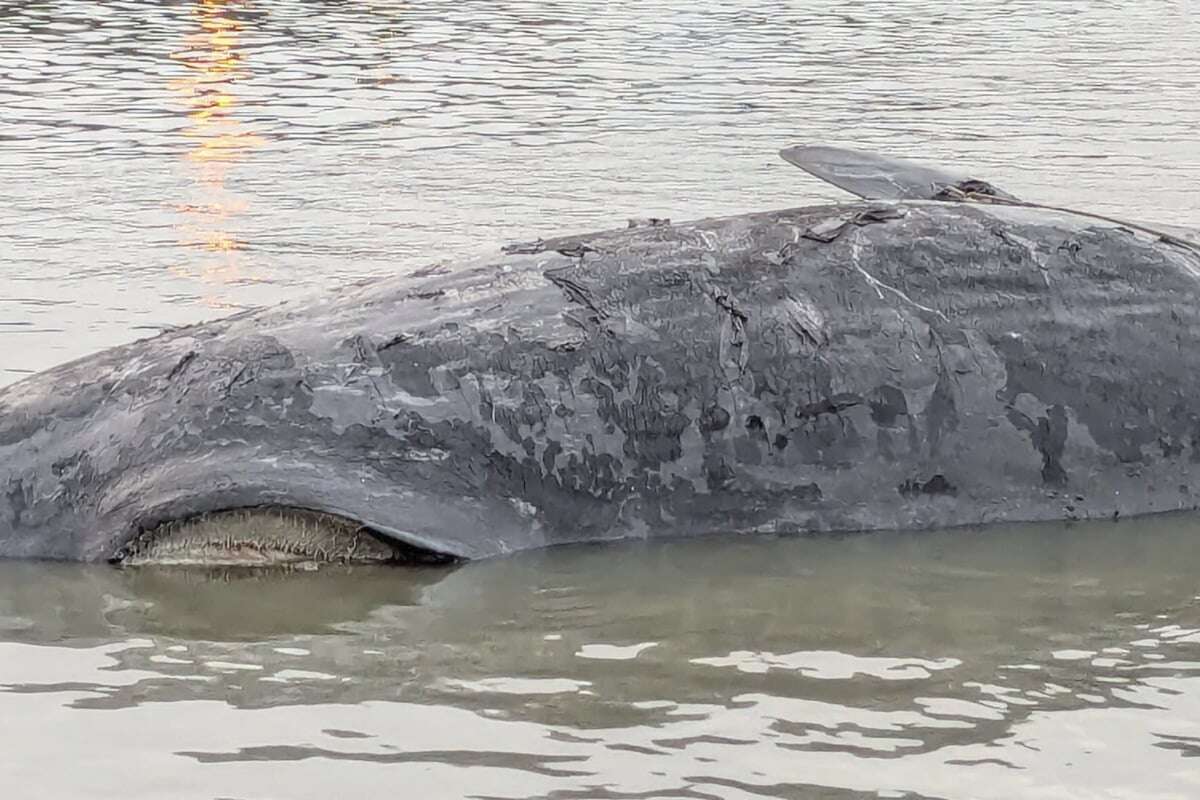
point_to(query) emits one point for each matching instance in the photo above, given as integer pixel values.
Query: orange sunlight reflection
(219, 139)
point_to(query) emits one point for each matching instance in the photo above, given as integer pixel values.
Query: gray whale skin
(875, 365)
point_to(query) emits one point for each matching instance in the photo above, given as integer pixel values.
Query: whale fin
(875, 177)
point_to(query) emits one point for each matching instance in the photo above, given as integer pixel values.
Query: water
(1044, 661)
(164, 163)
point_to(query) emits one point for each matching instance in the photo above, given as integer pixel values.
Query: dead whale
(938, 354)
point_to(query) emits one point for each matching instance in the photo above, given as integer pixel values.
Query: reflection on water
(164, 162)
(213, 61)
(1039, 661)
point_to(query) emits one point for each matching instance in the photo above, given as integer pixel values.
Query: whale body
(884, 364)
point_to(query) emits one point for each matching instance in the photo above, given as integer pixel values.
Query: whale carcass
(936, 354)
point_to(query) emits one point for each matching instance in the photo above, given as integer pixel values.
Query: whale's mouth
(269, 536)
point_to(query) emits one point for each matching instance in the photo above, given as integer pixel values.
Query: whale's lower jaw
(269, 536)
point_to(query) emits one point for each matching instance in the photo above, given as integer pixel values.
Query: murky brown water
(1043, 661)
(163, 163)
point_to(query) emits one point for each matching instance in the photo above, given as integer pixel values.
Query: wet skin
(852, 367)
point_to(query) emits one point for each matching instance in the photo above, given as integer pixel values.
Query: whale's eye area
(267, 537)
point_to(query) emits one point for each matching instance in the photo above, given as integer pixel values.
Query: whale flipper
(876, 177)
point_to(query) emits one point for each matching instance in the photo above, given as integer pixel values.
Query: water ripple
(165, 163)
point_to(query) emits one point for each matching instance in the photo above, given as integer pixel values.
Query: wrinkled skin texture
(946, 364)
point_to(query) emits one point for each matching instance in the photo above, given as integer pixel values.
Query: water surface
(1037, 661)
(169, 162)
(164, 163)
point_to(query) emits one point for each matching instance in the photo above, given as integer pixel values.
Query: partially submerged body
(851, 367)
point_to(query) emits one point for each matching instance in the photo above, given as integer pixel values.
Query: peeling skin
(736, 374)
